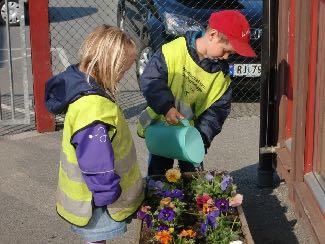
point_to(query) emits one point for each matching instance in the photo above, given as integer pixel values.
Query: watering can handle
(185, 122)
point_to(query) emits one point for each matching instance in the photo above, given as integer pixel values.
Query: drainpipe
(267, 143)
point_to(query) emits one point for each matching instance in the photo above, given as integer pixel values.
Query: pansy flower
(236, 200)
(188, 233)
(226, 182)
(165, 201)
(203, 228)
(155, 185)
(143, 212)
(173, 175)
(201, 199)
(212, 219)
(209, 177)
(148, 220)
(166, 214)
(177, 194)
(164, 237)
(222, 204)
(163, 227)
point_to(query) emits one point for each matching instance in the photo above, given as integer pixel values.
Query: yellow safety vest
(74, 200)
(194, 89)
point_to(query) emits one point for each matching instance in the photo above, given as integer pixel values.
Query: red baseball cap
(236, 28)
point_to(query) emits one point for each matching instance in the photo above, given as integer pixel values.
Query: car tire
(14, 6)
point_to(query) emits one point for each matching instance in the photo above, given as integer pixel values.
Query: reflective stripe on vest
(74, 200)
(194, 89)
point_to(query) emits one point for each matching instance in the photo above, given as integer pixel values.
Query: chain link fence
(152, 23)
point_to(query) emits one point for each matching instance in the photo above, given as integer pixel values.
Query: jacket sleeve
(210, 122)
(96, 160)
(153, 84)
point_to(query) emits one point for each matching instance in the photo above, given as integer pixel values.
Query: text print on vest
(191, 83)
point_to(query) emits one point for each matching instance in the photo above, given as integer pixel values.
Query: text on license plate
(248, 70)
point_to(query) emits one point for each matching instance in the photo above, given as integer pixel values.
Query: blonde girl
(100, 184)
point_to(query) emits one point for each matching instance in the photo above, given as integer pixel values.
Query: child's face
(217, 48)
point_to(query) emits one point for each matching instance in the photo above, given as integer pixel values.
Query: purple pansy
(226, 182)
(155, 185)
(163, 227)
(222, 204)
(166, 214)
(203, 228)
(174, 194)
(177, 194)
(141, 214)
(148, 220)
(212, 219)
(159, 185)
(151, 184)
(168, 193)
(209, 177)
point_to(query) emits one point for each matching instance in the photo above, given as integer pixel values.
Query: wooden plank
(310, 117)
(307, 208)
(244, 226)
(319, 149)
(283, 68)
(284, 164)
(300, 88)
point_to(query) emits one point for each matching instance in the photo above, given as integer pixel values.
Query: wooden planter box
(142, 228)
(244, 226)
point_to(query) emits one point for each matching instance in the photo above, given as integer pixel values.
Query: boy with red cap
(189, 78)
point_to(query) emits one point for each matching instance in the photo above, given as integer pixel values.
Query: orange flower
(188, 233)
(173, 175)
(191, 233)
(183, 233)
(165, 201)
(163, 236)
(208, 207)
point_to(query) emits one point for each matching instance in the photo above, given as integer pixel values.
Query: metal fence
(15, 90)
(151, 23)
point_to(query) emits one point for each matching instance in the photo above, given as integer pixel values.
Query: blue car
(152, 23)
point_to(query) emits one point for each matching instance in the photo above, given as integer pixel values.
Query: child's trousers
(159, 165)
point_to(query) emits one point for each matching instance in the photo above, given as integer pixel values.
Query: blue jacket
(153, 83)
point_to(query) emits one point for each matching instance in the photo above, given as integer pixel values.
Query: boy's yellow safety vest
(74, 200)
(194, 89)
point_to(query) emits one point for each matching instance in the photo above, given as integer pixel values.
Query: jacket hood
(68, 86)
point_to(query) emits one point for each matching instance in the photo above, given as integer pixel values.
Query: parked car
(152, 23)
(14, 12)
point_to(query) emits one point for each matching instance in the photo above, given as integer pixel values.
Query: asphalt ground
(28, 178)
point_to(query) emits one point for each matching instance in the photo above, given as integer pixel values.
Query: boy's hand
(173, 116)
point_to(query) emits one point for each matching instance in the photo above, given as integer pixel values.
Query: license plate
(248, 70)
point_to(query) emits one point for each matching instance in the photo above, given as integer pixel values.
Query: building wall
(301, 108)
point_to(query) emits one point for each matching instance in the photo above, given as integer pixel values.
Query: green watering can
(181, 141)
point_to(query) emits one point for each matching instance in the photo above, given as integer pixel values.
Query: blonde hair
(103, 55)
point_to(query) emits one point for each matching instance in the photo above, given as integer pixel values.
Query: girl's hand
(173, 116)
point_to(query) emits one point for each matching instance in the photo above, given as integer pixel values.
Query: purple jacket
(96, 160)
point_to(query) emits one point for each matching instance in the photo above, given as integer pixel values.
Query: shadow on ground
(265, 214)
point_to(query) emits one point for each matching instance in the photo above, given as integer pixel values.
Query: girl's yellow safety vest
(194, 89)
(74, 200)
